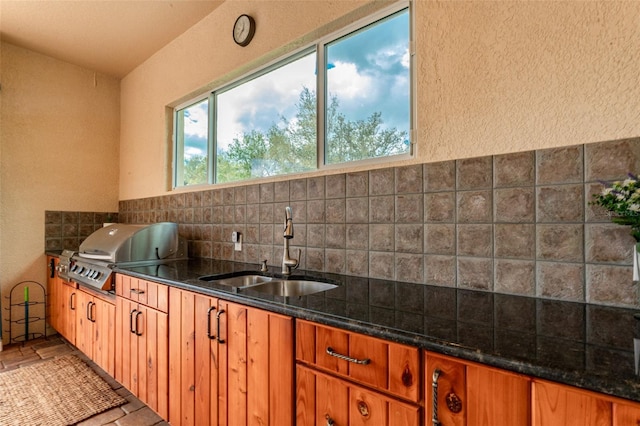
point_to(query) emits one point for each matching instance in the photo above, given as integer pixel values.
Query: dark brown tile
(335, 236)
(611, 285)
(409, 208)
(357, 237)
(560, 165)
(335, 261)
(315, 188)
(381, 209)
(561, 203)
(408, 179)
(409, 268)
(440, 207)
(475, 273)
(515, 241)
(357, 184)
(612, 160)
(439, 176)
(515, 277)
(560, 280)
(475, 240)
(474, 173)
(474, 206)
(440, 270)
(381, 237)
(560, 242)
(381, 181)
(280, 192)
(381, 265)
(440, 238)
(409, 238)
(357, 263)
(298, 189)
(335, 210)
(315, 211)
(516, 169)
(357, 210)
(515, 205)
(336, 186)
(609, 243)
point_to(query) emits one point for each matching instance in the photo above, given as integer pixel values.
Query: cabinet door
(193, 359)
(104, 335)
(555, 404)
(256, 368)
(84, 325)
(626, 414)
(496, 397)
(473, 394)
(451, 391)
(152, 340)
(68, 307)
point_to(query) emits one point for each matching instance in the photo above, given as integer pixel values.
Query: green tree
(195, 170)
(289, 146)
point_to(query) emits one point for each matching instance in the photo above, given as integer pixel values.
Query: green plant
(622, 202)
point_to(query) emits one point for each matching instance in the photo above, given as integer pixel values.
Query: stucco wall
(492, 77)
(60, 145)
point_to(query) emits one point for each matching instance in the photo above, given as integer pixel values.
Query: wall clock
(243, 30)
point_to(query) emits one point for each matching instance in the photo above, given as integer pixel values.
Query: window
(294, 116)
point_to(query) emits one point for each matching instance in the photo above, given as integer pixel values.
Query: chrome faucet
(287, 262)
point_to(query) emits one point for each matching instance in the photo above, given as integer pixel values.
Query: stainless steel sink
(290, 288)
(240, 279)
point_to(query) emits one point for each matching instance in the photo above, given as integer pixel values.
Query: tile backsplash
(517, 223)
(66, 230)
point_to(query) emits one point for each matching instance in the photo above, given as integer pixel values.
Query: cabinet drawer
(144, 292)
(375, 362)
(322, 399)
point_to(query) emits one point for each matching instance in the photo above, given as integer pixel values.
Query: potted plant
(622, 202)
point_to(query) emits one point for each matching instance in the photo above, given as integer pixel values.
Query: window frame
(320, 47)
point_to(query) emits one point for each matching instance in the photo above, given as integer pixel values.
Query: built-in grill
(121, 245)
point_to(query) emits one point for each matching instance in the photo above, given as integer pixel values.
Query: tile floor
(133, 413)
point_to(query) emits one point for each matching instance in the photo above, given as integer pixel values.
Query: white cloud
(196, 121)
(346, 82)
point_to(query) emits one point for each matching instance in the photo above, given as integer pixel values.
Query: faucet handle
(263, 266)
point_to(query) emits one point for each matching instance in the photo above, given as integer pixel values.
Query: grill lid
(123, 243)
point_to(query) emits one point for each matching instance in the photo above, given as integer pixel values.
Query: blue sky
(368, 72)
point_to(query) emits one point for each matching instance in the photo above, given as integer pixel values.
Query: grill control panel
(90, 273)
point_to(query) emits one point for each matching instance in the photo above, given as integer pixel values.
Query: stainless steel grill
(121, 245)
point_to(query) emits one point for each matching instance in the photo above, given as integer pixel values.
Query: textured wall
(492, 77)
(59, 142)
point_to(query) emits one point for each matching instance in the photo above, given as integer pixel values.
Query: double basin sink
(285, 287)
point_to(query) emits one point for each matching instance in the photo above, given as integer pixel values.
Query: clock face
(243, 30)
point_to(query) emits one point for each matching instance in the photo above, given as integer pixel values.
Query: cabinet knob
(330, 421)
(363, 408)
(454, 403)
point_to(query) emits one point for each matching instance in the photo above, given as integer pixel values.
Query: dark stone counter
(578, 344)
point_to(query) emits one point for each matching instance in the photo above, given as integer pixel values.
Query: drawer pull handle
(330, 421)
(137, 291)
(220, 312)
(434, 387)
(209, 335)
(331, 352)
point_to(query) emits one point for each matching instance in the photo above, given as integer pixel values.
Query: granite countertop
(578, 344)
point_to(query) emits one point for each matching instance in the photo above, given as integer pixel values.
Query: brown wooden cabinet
(63, 309)
(352, 379)
(95, 329)
(473, 394)
(555, 404)
(229, 364)
(142, 337)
